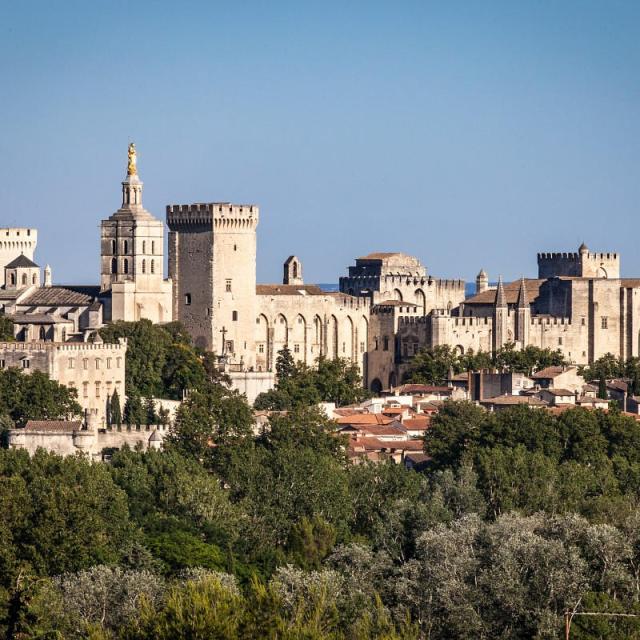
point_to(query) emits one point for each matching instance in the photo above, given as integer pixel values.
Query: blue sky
(470, 134)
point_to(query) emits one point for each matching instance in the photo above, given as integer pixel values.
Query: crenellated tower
(212, 264)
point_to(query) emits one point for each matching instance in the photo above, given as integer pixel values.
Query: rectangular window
(71, 363)
(3, 364)
(187, 299)
(260, 348)
(108, 363)
(97, 389)
(26, 364)
(559, 340)
(85, 389)
(385, 343)
(228, 286)
(296, 348)
(362, 347)
(604, 322)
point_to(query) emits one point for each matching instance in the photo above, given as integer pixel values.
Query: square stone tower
(15, 242)
(212, 264)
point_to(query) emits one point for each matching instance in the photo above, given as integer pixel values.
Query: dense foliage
(609, 367)
(298, 385)
(432, 366)
(231, 534)
(161, 361)
(34, 397)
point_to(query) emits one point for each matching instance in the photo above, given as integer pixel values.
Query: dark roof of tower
(501, 299)
(22, 262)
(523, 301)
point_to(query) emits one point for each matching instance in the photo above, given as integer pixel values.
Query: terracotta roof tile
(511, 290)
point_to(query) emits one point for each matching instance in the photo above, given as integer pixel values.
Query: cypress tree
(602, 389)
(115, 412)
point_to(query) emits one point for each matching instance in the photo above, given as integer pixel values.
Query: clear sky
(470, 134)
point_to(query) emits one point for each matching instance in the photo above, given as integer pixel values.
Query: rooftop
(22, 262)
(511, 290)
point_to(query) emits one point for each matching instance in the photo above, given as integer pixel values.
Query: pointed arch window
(125, 266)
(144, 266)
(114, 265)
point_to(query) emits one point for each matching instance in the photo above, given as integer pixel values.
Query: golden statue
(131, 166)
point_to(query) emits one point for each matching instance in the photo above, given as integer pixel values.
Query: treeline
(433, 366)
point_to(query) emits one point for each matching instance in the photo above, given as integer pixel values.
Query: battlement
(121, 345)
(581, 264)
(221, 215)
(409, 320)
(551, 321)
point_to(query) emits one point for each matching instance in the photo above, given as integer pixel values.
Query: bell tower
(132, 255)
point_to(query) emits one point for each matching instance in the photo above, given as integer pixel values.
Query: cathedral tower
(132, 256)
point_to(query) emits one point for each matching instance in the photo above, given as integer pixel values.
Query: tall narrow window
(24, 278)
(43, 333)
(144, 266)
(234, 316)
(152, 267)
(153, 247)
(144, 246)
(125, 246)
(228, 285)
(113, 247)
(187, 299)
(125, 266)
(114, 265)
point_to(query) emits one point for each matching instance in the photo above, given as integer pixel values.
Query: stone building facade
(94, 369)
(212, 265)
(14, 242)
(578, 305)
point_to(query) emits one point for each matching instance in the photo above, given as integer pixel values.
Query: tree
(134, 412)
(151, 416)
(432, 366)
(212, 418)
(6, 329)
(115, 412)
(454, 433)
(182, 371)
(35, 397)
(602, 389)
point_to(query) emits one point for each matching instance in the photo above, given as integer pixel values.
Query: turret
(293, 271)
(47, 276)
(482, 281)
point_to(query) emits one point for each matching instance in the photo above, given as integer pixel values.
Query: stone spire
(47, 276)
(523, 300)
(501, 298)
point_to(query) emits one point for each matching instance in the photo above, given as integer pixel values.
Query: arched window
(43, 333)
(113, 247)
(114, 266)
(152, 267)
(12, 279)
(125, 245)
(144, 246)
(144, 266)
(153, 247)
(125, 266)
(234, 316)
(33, 279)
(24, 278)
